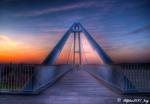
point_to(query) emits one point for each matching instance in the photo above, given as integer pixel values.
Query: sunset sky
(29, 29)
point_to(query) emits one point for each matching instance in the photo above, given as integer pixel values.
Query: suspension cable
(86, 61)
(71, 46)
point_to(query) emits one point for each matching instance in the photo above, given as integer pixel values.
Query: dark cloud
(50, 10)
(145, 28)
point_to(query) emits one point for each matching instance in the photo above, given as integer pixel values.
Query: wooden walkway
(76, 87)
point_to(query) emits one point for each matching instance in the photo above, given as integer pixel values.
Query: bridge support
(76, 28)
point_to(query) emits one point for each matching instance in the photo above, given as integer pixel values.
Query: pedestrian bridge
(78, 73)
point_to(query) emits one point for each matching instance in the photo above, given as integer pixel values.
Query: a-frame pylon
(76, 28)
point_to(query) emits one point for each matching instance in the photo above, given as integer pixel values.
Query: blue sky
(121, 27)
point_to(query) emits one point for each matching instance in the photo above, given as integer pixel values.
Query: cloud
(26, 48)
(7, 41)
(58, 9)
(146, 27)
(54, 30)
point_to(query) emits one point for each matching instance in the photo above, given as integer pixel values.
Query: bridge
(76, 71)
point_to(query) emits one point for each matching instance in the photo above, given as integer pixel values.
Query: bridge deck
(76, 87)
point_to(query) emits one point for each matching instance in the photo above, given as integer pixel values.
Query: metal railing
(16, 77)
(28, 78)
(136, 77)
(128, 78)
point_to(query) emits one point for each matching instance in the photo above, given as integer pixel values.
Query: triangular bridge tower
(77, 30)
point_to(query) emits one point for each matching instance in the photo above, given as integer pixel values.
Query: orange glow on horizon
(16, 51)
